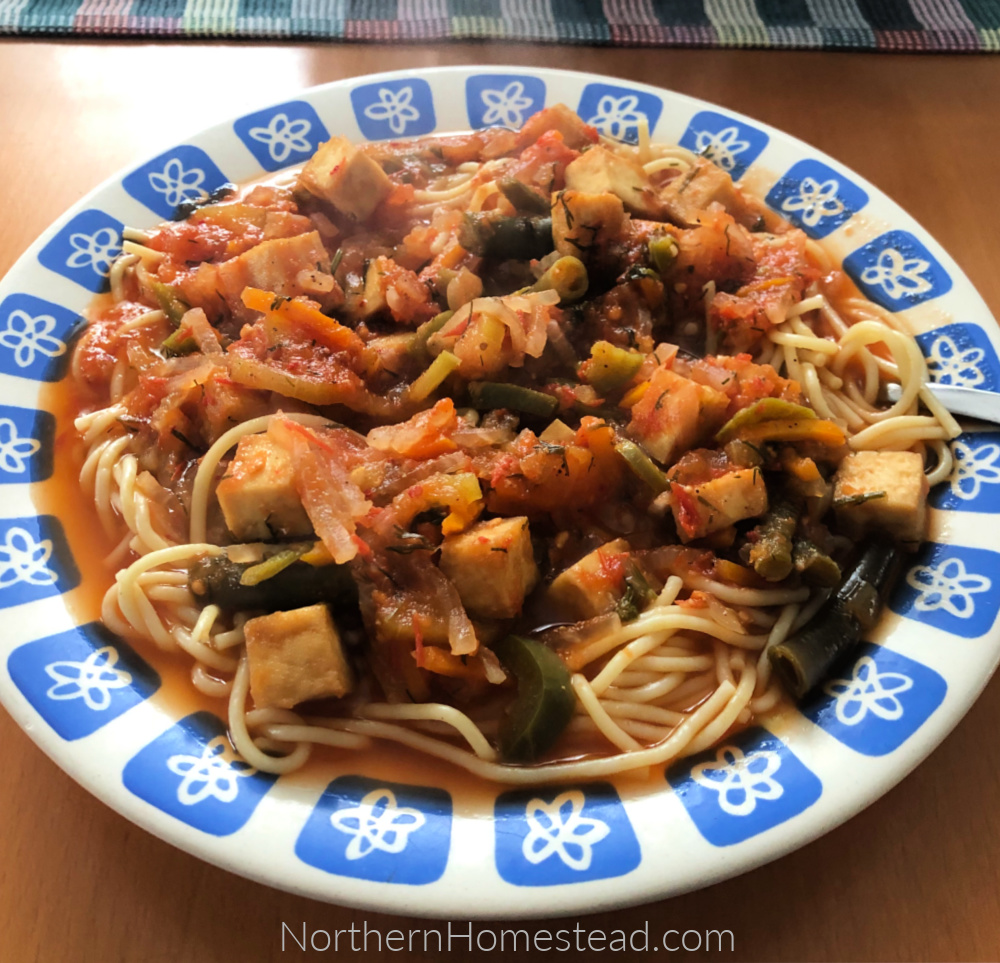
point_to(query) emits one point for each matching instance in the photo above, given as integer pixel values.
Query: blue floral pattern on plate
(974, 485)
(192, 773)
(876, 700)
(35, 561)
(555, 835)
(816, 198)
(727, 142)
(961, 354)
(394, 108)
(897, 271)
(84, 249)
(617, 112)
(78, 681)
(507, 100)
(747, 785)
(283, 135)
(26, 438)
(379, 830)
(950, 587)
(181, 175)
(34, 337)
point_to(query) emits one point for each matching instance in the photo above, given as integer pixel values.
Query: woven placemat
(907, 25)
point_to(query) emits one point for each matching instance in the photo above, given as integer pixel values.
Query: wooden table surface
(915, 877)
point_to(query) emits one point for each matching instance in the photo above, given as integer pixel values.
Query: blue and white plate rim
(265, 847)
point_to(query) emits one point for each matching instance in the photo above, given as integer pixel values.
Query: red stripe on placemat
(903, 40)
(693, 36)
(102, 16)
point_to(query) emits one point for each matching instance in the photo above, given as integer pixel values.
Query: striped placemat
(906, 25)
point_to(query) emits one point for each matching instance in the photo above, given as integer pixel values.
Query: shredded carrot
(440, 662)
(764, 285)
(298, 311)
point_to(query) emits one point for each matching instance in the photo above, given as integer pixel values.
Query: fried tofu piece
(492, 566)
(583, 224)
(258, 496)
(702, 509)
(688, 196)
(349, 179)
(593, 585)
(296, 656)
(882, 489)
(599, 171)
(674, 413)
(575, 132)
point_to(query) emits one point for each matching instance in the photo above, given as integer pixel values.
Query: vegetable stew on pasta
(545, 455)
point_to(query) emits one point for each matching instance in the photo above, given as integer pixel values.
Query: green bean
(487, 395)
(506, 238)
(771, 552)
(567, 277)
(814, 565)
(524, 199)
(804, 659)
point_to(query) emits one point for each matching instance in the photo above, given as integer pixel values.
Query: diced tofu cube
(350, 180)
(584, 223)
(492, 566)
(686, 197)
(599, 171)
(901, 510)
(288, 266)
(296, 656)
(258, 496)
(674, 413)
(702, 509)
(593, 585)
(575, 132)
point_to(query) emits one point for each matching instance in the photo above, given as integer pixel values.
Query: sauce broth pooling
(530, 451)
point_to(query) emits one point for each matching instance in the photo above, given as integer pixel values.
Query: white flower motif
(96, 251)
(946, 586)
(740, 779)
(974, 467)
(377, 823)
(177, 184)
(560, 827)
(868, 690)
(22, 559)
(216, 773)
(898, 275)
(394, 107)
(91, 680)
(15, 451)
(950, 366)
(615, 115)
(282, 136)
(25, 335)
(506, 106)
(815, 201)
(721, 147)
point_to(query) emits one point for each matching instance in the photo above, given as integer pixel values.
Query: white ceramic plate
(394, 836)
